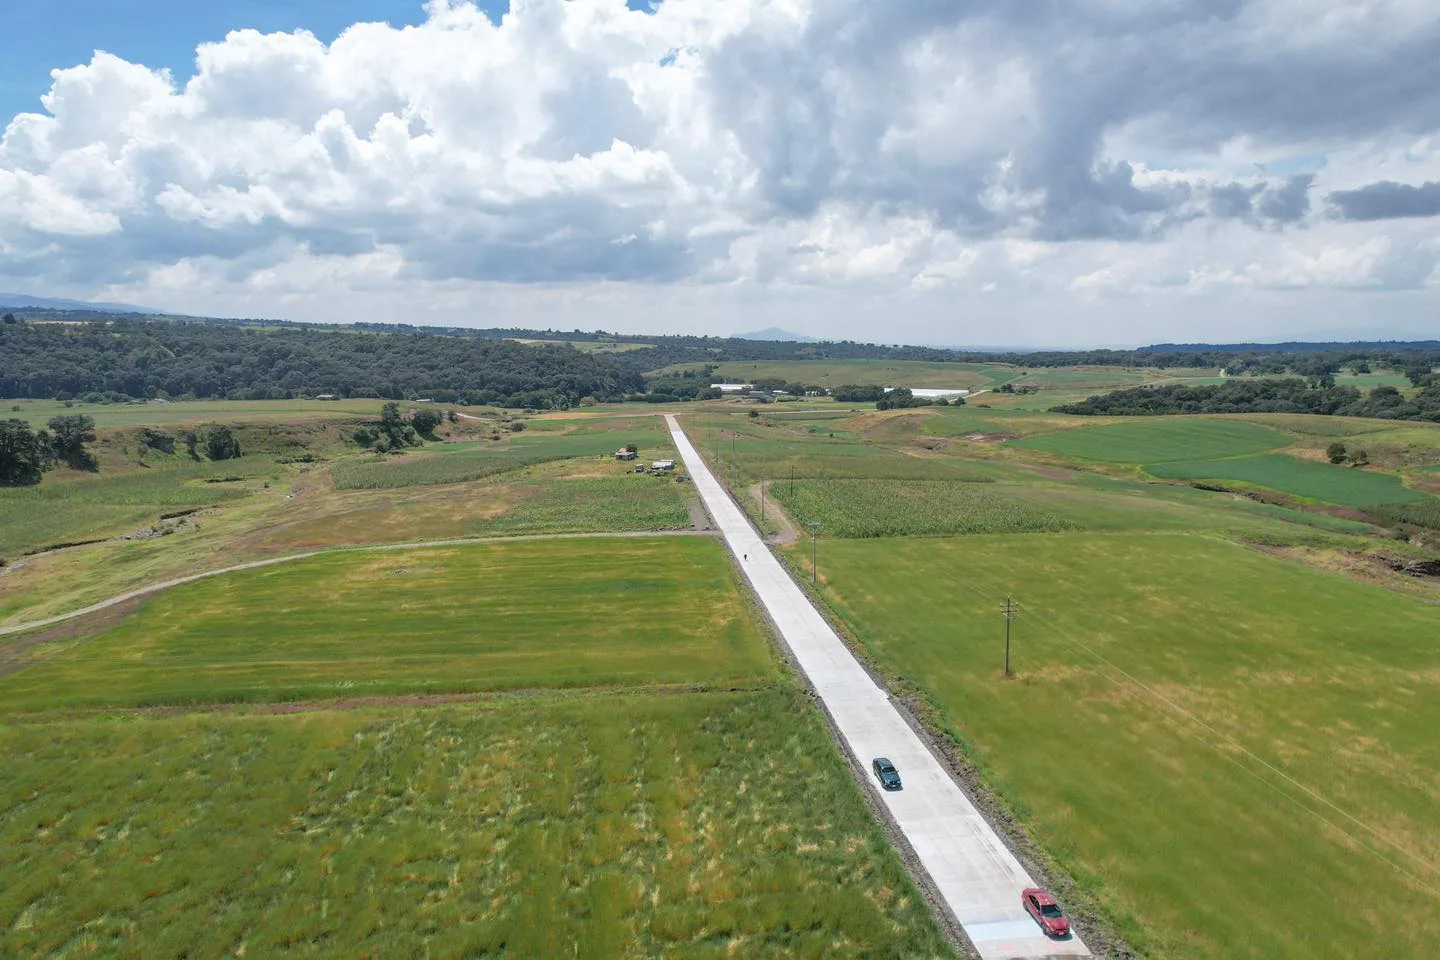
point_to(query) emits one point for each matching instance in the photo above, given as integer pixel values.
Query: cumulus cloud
(1388, 200)
(901, 149)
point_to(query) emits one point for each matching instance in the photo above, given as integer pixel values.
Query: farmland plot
(890, 508)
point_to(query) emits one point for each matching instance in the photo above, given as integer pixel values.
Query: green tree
(10, 318)
(394, 429)
(24, 454)
(68, 436)
(220, 443)
(1336, 452)
(1416, 372)
(425, 421)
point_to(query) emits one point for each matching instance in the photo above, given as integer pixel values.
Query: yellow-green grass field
(1160, 439)
(489, 616)
(1233, 755)
(692, 826)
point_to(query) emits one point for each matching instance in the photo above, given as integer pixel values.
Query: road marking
(976, 874)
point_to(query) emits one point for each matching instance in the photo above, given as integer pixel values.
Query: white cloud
(837, 160)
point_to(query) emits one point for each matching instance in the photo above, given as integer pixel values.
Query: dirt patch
(699, 519)
(786, 532)
(16, 654)
(991, 437)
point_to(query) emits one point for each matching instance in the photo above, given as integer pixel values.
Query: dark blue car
(885, 770)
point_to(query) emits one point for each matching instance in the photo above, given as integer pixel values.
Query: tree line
(1269, 395)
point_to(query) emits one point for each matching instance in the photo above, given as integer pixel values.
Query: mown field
(1233, 754)
(1160, 439)
(459, 618)
(1303, 478)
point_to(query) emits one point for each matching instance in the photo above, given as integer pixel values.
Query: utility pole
(1008, 612)
(814, 574)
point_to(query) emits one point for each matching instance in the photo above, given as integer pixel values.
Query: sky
(953, 172)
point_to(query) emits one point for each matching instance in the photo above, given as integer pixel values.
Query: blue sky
(41, 36)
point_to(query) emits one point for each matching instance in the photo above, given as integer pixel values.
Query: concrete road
(976, 874)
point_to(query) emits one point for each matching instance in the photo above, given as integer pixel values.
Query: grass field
(528, 501)
(695, 826)
(71, 506)
(622, 611)
(195, 411)
(1163, 790)
(1160, 439)
(889, 508)
(1302, 478)
(460, 462)
(886, 373)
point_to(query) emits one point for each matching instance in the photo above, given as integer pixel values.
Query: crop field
(531, 502)
(692, 826)
(1346, 486)
(463, 462)
(1267, 752)
(73, 507)
(457, 618)
(1421, 513)
(1160, 439)
(891, 508)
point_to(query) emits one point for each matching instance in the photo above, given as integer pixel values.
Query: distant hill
(21, 301)
(1293, 346)
(775, 334)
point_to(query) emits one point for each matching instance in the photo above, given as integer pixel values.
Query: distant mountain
(20, 301)
(776, 334)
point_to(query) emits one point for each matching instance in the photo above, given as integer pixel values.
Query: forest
(122, 359)
(1269, 395)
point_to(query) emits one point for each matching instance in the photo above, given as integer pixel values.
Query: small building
(325, 396)
(732, 387)
(663, 465)
(625, 454)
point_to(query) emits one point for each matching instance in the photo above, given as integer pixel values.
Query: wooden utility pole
(1008, 612)
(814, 574)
